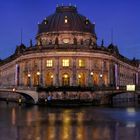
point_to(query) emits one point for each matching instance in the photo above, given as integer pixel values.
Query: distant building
(66, 54)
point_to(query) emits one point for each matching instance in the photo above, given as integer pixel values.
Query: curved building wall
(67, 54)
(61, 68)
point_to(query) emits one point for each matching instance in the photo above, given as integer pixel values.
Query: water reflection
(23, 123)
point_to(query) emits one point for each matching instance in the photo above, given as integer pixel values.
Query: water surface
(90, 123)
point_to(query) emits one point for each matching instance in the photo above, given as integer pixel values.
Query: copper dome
(66, 18)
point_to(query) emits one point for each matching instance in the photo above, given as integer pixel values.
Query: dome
(66, 18)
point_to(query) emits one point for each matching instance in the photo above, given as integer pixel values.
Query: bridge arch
(30, 96)
(111, 96)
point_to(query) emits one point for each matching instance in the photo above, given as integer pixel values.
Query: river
(85, 123)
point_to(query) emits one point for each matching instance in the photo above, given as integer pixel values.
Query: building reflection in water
(13, 116)
(70, 124)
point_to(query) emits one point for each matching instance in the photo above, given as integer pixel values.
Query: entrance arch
(95, 79)
(81, 79)
(65, 80)
(49, 79)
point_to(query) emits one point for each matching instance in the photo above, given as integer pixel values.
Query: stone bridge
(27, 93)
(105, 96)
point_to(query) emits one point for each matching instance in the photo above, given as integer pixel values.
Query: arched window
(81, 79)
(49, 79)
(65, 80)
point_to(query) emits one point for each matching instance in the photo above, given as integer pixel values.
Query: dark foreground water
(90, 123)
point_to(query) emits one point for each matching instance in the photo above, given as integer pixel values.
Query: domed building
(66, 53)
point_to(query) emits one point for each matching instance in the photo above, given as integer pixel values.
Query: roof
(66, 18)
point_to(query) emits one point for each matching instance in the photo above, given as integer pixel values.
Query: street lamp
(29, 76)
(51, 80)
(91, 74)
(101, 76)
(38, 74)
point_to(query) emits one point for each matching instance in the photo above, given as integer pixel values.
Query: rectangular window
(81, 63)
(49, 63)
(65, 63)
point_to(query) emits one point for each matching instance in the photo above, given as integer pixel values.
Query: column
(74, 72)
(57, 83)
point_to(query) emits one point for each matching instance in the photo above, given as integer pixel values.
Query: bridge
(28, 94)
(32, 94)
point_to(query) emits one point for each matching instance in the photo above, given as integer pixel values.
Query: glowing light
(29, 75)
(65, 76)
(91, 73)
(79, 76)
(66, 20)
(81, 63)
(14, 89)
(131, 111)
(130, 87)
(66, 40)
(101, 75)
(65, 62)
(131, 124)
(38, 73)
(49, 63)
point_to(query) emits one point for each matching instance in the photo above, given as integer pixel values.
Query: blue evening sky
(123, 16)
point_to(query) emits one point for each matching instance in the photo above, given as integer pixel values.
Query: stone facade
(68, 58)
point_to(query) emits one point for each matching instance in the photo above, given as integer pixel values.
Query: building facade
(66, 53)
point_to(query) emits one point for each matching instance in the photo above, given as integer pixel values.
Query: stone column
(89, 73)
(57, 83)
(43, 71)
(74, 72)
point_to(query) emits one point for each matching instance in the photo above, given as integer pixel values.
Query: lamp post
(38, 77)
(91, 78)
(101, 76)
(79, 79)
(29, 79)
(51, 80)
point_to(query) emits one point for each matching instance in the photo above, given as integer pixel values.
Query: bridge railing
(19, 88)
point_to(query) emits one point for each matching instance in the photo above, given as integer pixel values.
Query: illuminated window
(46, 21)
(87, 21)
(49, 63)
(66, 19)
(65, 63)
(66, 40)
(81, 63)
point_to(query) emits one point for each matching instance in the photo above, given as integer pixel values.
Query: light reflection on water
(92, 123)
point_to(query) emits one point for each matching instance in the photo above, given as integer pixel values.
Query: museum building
(66, 53)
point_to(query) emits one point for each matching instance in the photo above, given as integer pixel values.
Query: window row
(65, 63)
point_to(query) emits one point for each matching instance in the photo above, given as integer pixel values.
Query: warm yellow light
(51, 76)
(79, 76)
(66, 21)
(81, 63)
(66, 40)
(101, 75)
(49, 63)
(29, 75)
(91, 73)
(130, 87)
(65, 76)
(65, 63)
(38, 73)
(14, 89)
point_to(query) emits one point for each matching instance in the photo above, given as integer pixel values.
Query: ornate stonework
(67, 54)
